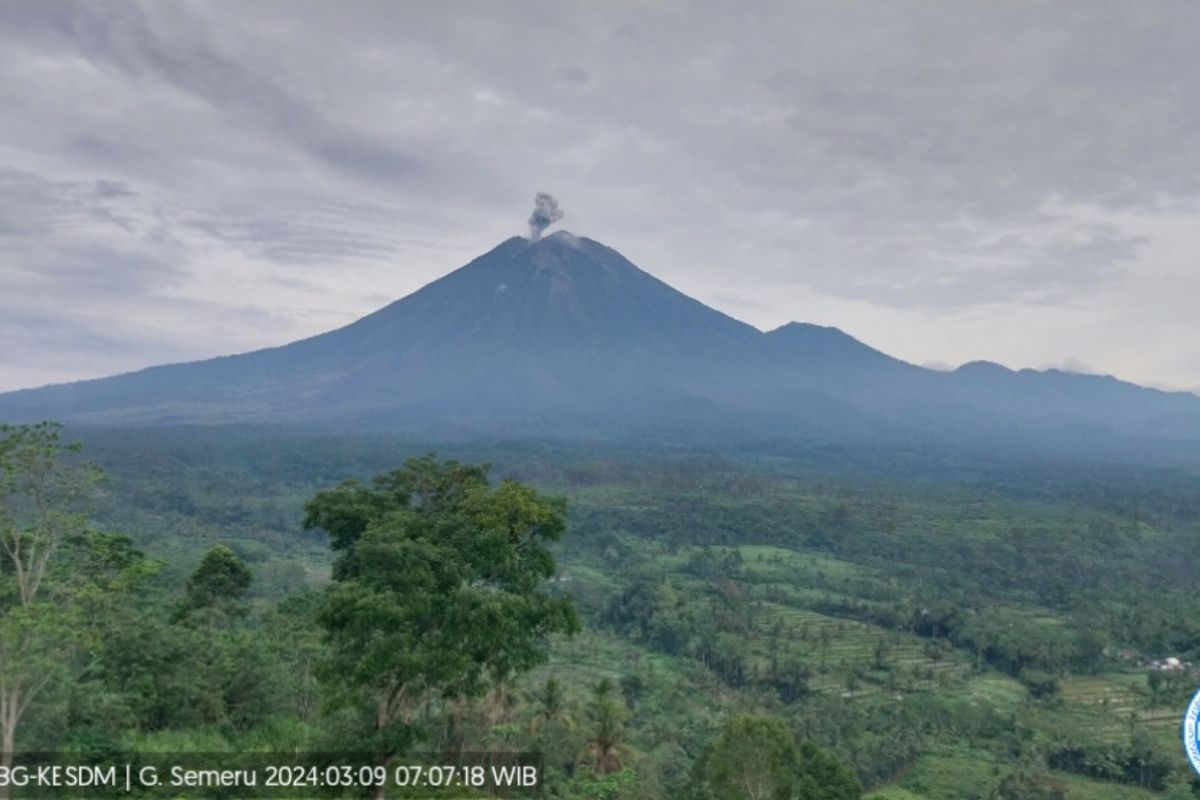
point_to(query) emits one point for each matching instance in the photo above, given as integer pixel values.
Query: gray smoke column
(545, 213)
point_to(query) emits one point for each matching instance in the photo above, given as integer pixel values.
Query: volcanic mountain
(564, 334)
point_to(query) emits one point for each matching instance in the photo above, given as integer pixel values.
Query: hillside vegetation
(980, 631)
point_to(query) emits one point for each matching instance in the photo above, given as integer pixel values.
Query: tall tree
(756, 758)
(220, 582)
(606, 740)
(823, 777)
(43, 492)
(440, 588)
(552, 705)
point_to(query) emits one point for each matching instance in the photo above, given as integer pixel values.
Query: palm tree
(607, 715)
(552, 702)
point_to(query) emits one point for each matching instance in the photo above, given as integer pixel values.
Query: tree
(1155, 681)
(42, 493)
(221, 579)
(853, 679)
(607, 716)
(63, 586)
(100, 585)
(1042, 685)
(439, 588)
(552, 705)
(756, 758)
(823, 777)
(790, 678)
(43, 490)
(879, 657)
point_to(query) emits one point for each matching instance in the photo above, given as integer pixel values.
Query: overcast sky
(1012, 181)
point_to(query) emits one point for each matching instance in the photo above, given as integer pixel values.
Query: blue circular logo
(1191, 734)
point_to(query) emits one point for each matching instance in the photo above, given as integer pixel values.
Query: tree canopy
(221, 578)
(440, 588)
(756, 758)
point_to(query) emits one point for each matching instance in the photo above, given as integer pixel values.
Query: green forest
(733, 620)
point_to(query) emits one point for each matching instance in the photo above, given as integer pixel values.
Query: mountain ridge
(564, 328)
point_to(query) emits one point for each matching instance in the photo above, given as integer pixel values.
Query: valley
(931, 632)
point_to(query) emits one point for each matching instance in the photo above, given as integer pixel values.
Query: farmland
(929, 632)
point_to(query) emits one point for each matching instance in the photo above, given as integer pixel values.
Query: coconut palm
(552, 706)
(606, 714)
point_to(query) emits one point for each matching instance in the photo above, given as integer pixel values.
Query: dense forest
(651, 621)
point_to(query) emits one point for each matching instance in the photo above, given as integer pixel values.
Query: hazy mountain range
(564, 335)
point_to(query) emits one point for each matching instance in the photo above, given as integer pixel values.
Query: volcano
(560, 327)
(564, 334)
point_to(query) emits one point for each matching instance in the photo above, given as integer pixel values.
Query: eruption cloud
(545, 213)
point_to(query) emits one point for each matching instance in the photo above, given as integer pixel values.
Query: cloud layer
(945, 180)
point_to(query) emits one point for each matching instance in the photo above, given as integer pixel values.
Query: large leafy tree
(823, 777)
(41, 495)
(218, 585)
(58, 579)
(756, 758)
(440, 590)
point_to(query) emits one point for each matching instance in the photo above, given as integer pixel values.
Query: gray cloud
(319, 234)
(1072, 364)
(108, 189)
(118, 36)
(924, 174)
(576, 75)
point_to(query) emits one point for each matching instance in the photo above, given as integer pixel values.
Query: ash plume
(545, 213)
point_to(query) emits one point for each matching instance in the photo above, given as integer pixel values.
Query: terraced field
(997, 690)
(957, 774)
(830, 645)
(784, 604)
(1110, 704)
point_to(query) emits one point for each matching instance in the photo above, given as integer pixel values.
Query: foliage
(756, 758)
(942, 630)
(439, 589)
(221, 579)
(606, 747)
(43, 602)
(822, 777)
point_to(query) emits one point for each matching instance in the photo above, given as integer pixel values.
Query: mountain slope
(563, 325)
(565, 335)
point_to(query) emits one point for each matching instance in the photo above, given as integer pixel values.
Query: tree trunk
(377, 792)
(9, 737)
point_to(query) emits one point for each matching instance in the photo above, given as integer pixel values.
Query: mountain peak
(564, 328)
(809, 341)
(562, 248)
(809, 330)
(560, 237)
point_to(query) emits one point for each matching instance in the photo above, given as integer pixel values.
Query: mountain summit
(560, 325)
(564, 335)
